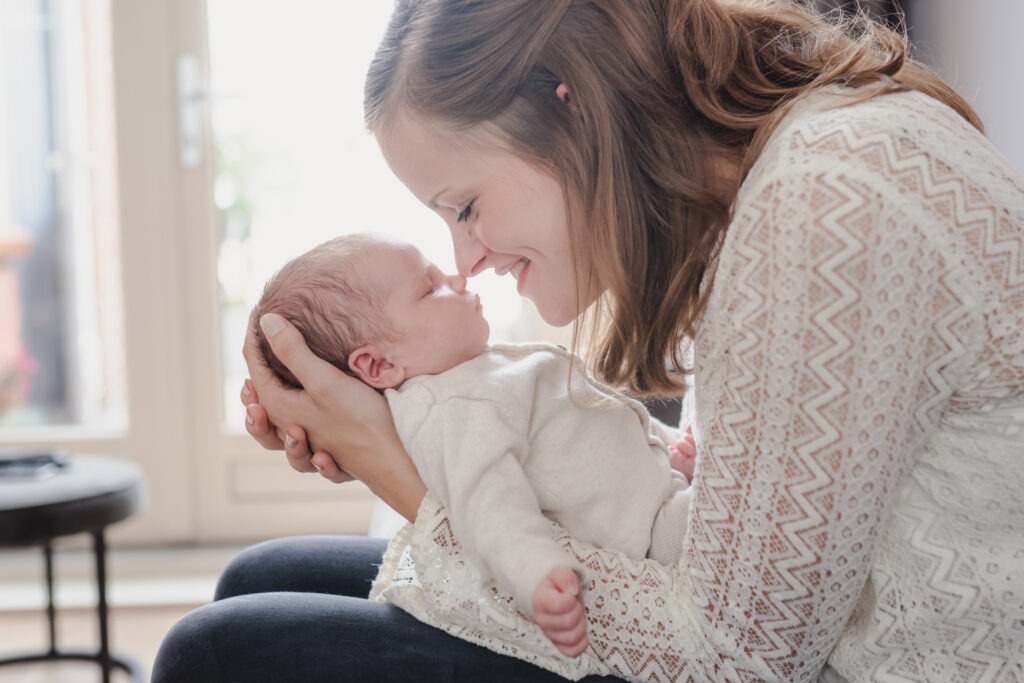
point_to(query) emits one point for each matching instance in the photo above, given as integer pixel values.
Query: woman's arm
(337, 425)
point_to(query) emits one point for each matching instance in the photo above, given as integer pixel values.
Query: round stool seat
(86, 495)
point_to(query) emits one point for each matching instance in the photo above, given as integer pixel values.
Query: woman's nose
(470, 254)
(457, 283)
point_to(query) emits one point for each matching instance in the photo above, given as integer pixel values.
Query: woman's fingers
(335, 424)
(289, 406)
(329, 469)
(290, 347)
(262, 380)
(331, 406)
(271, 411)
(248, 393)
(257, 423)
(297, 450)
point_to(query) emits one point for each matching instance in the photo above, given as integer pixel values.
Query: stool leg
(100, 548)
(51, 609)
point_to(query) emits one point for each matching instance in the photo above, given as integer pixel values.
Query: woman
(823, 219)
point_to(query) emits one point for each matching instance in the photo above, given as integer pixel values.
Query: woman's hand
(291, 440)
(334, 415)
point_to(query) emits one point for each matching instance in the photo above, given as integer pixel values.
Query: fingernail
(245, 389)
(318, 467)
(249, 419)
(290, 441)
(271, 323)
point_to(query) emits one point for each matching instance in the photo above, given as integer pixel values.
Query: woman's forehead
(416, 146)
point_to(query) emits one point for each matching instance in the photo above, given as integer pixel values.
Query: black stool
(85, 496)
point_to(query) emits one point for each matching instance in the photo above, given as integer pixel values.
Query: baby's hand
(683, 455)
(558, 610)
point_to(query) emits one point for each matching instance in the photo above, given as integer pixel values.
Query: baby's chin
(474, 352)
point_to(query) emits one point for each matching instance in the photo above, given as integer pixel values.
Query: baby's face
(438, 323)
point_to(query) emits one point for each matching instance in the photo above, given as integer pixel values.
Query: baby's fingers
(566, 630)
(571, 643)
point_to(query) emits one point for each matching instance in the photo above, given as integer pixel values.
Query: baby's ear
(369, 364)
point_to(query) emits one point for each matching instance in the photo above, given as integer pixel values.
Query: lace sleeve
(832, 337)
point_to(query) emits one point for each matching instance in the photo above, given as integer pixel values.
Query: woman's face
(502, 212)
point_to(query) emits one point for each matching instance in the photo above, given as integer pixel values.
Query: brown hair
(329, 294)
(665, 94)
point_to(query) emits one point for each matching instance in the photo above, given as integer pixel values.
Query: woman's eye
(465, 213)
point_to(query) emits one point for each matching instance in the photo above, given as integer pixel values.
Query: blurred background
(159, 160)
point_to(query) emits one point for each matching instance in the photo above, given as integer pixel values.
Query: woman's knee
(289, 638)
(185, 653)
(334, 565)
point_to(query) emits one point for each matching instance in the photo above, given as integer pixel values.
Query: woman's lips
(517, 269)
(512, 267)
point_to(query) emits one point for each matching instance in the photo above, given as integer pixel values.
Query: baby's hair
(331, 295)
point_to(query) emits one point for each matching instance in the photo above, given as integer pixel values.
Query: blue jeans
(295, 609)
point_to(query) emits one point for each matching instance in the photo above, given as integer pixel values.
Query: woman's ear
(562, 92)
(370, 364)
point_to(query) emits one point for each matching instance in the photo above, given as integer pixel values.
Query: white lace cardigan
(858, 509)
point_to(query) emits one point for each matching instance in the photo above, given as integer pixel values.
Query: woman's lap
(284, 614)
(335, 565)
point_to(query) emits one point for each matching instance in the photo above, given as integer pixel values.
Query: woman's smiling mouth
(515, 268)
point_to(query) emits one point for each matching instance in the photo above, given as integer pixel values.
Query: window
(295, 165)
(61, 333)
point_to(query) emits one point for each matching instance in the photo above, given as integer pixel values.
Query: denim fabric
(294, 610)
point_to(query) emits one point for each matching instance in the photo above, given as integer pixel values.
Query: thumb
(290, 348)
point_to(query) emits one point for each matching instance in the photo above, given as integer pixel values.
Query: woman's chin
(556, 316)
(560, 313)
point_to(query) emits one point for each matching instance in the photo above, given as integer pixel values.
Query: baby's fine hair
(331, 295)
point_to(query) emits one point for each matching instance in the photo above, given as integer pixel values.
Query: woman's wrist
(394, 479)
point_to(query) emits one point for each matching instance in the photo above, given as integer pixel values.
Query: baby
(509, 437)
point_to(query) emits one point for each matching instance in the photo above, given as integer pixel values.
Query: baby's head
(375, 308)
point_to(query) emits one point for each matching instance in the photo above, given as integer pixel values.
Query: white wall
(978, 47)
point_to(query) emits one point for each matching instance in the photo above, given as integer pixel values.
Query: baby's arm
(469, 454)
(558, 610)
